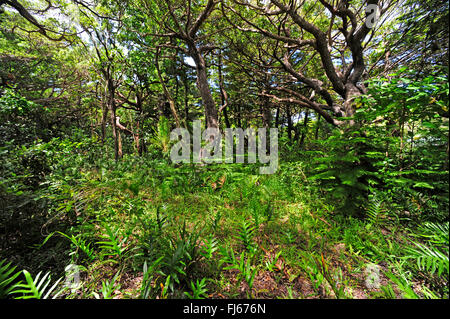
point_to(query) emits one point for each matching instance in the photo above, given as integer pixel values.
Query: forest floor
(153, 230)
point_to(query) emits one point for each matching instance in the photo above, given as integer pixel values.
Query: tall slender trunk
(227, 119)
(316, 134)
(119, 144)
(114, 132)
(222, 92)
(186, 101)
(277, 117)
(305, 128)
(137, 138)
(265, 112)
(266, 117)
(211, 114)
(289, 122)
(137, 130)
(105, 109)
(112, 106)
(103, 124)
(411, 147)
(402, 134)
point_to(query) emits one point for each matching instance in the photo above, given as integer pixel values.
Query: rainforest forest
(224, 149)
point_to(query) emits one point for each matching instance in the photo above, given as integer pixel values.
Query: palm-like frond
(246, 233)
(374, 210)
(430, 259)
(436, 233)
(36, 288)
(432, 256)
(112, 245)
(7, 279)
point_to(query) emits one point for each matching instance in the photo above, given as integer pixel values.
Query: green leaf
(423, 185)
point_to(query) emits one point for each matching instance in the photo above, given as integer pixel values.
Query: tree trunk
(305, 128)
(222, 92)
(119, 144)
(104, 114)
(211, 114)
(114, 132)
(289, 122)
(351, 92)
(316, 134)
(277, 117)
(186, 101)
(266, 114)
(112, 106)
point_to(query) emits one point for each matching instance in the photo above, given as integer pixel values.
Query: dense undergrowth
(357, 213)
(145, 228)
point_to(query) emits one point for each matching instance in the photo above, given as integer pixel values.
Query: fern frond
(430, 259)
(374, 210)
(246, 233)
(112, 245)
(35, 288)
(7, 278)
(79, 243)
(436, 233)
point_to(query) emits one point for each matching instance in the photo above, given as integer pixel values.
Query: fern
(216, 220)
(160, 220)
(79, 243)
(35, 288)
(109, 286)
(245, 236)
(180, 254)
(271, 262)
(436, 233)
(430, 259)
(112, 245)
(228, 256)
(7, 278)
(268, 212)
(434, 256)
(246, 270)
(198, 290)
(211, 245)
(403, 285)
(148, 272)
(374, 210)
